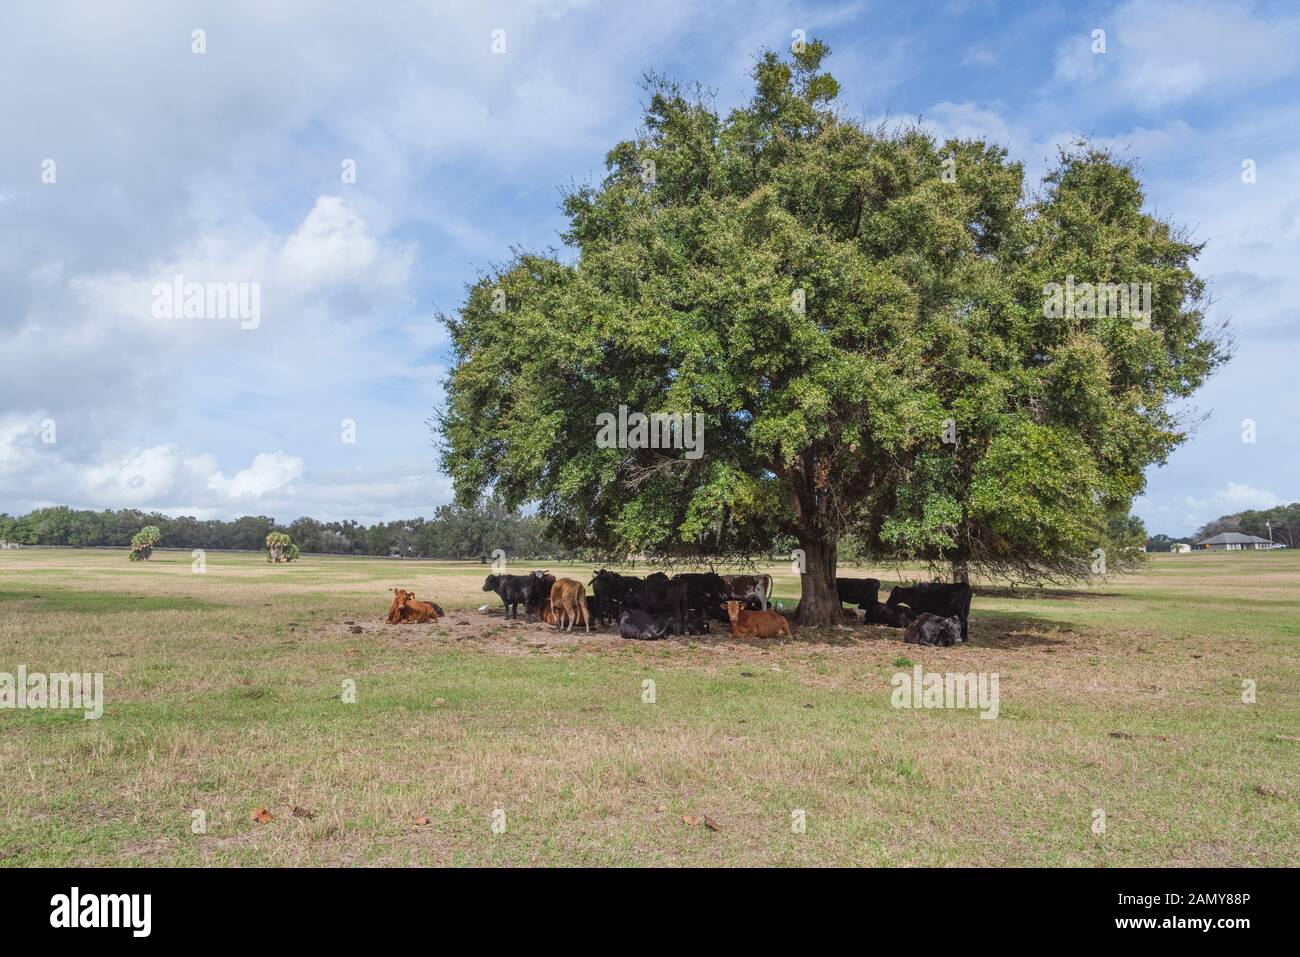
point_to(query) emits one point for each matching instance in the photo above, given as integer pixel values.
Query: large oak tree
(859, 314)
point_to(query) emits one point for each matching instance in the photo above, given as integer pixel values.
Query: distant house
(1235, 541)
(1168, 547)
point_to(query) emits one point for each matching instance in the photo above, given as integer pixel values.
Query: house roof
(1234, 538)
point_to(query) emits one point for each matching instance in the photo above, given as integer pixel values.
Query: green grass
(223, 694)
(91, 602)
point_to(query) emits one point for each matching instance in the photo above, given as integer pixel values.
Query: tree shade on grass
(881, 333)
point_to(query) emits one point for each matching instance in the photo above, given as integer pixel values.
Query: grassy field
(223, 693)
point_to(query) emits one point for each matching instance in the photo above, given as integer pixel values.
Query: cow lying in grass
(406, 609)
(755, 624)
(930, 629)
(650, 627)
(641, 625)
(896, 617)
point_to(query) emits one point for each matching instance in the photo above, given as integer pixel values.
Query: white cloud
(333, 246)
(143, 476)
(1194, 511)
(948, 120)
(270, 472)
(1160, 52)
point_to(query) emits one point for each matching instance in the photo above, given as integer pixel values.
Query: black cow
(897, 617)
(542, 582)
(642, 625)
(930, 629)
(704, 592)
(659, 597)
(863, 592)
(937, 598)
(514, 590)
(696, 624)
(610, 590)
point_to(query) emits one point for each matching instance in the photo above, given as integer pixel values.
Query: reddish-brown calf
(406, 609)
(755, 624)
(569, 604)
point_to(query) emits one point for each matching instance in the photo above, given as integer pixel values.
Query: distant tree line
(454, 532)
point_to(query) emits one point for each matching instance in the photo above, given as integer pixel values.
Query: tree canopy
(871, 325)
(143, 542)
(280, 548)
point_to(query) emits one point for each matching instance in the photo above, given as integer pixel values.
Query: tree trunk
(819, 603)
(960, 570)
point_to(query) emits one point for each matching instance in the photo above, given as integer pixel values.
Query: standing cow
(705, 591)
(569, 604)
(753, 591)
(660, 597)
(514, 590)
(863, 592)
(937, 598)
(611, 590)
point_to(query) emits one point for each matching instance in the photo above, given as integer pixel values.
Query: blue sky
(225, 166)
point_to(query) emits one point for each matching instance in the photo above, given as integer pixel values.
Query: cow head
(951, 631)
(490, 583)
(733, 608)
(899, 595)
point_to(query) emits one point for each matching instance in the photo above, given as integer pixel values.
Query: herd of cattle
(658, 606)
(645, 608)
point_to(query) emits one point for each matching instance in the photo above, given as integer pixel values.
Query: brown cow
(755, 624)
(406, 609)
(395, 609)
(569, 604)
(748, 589)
